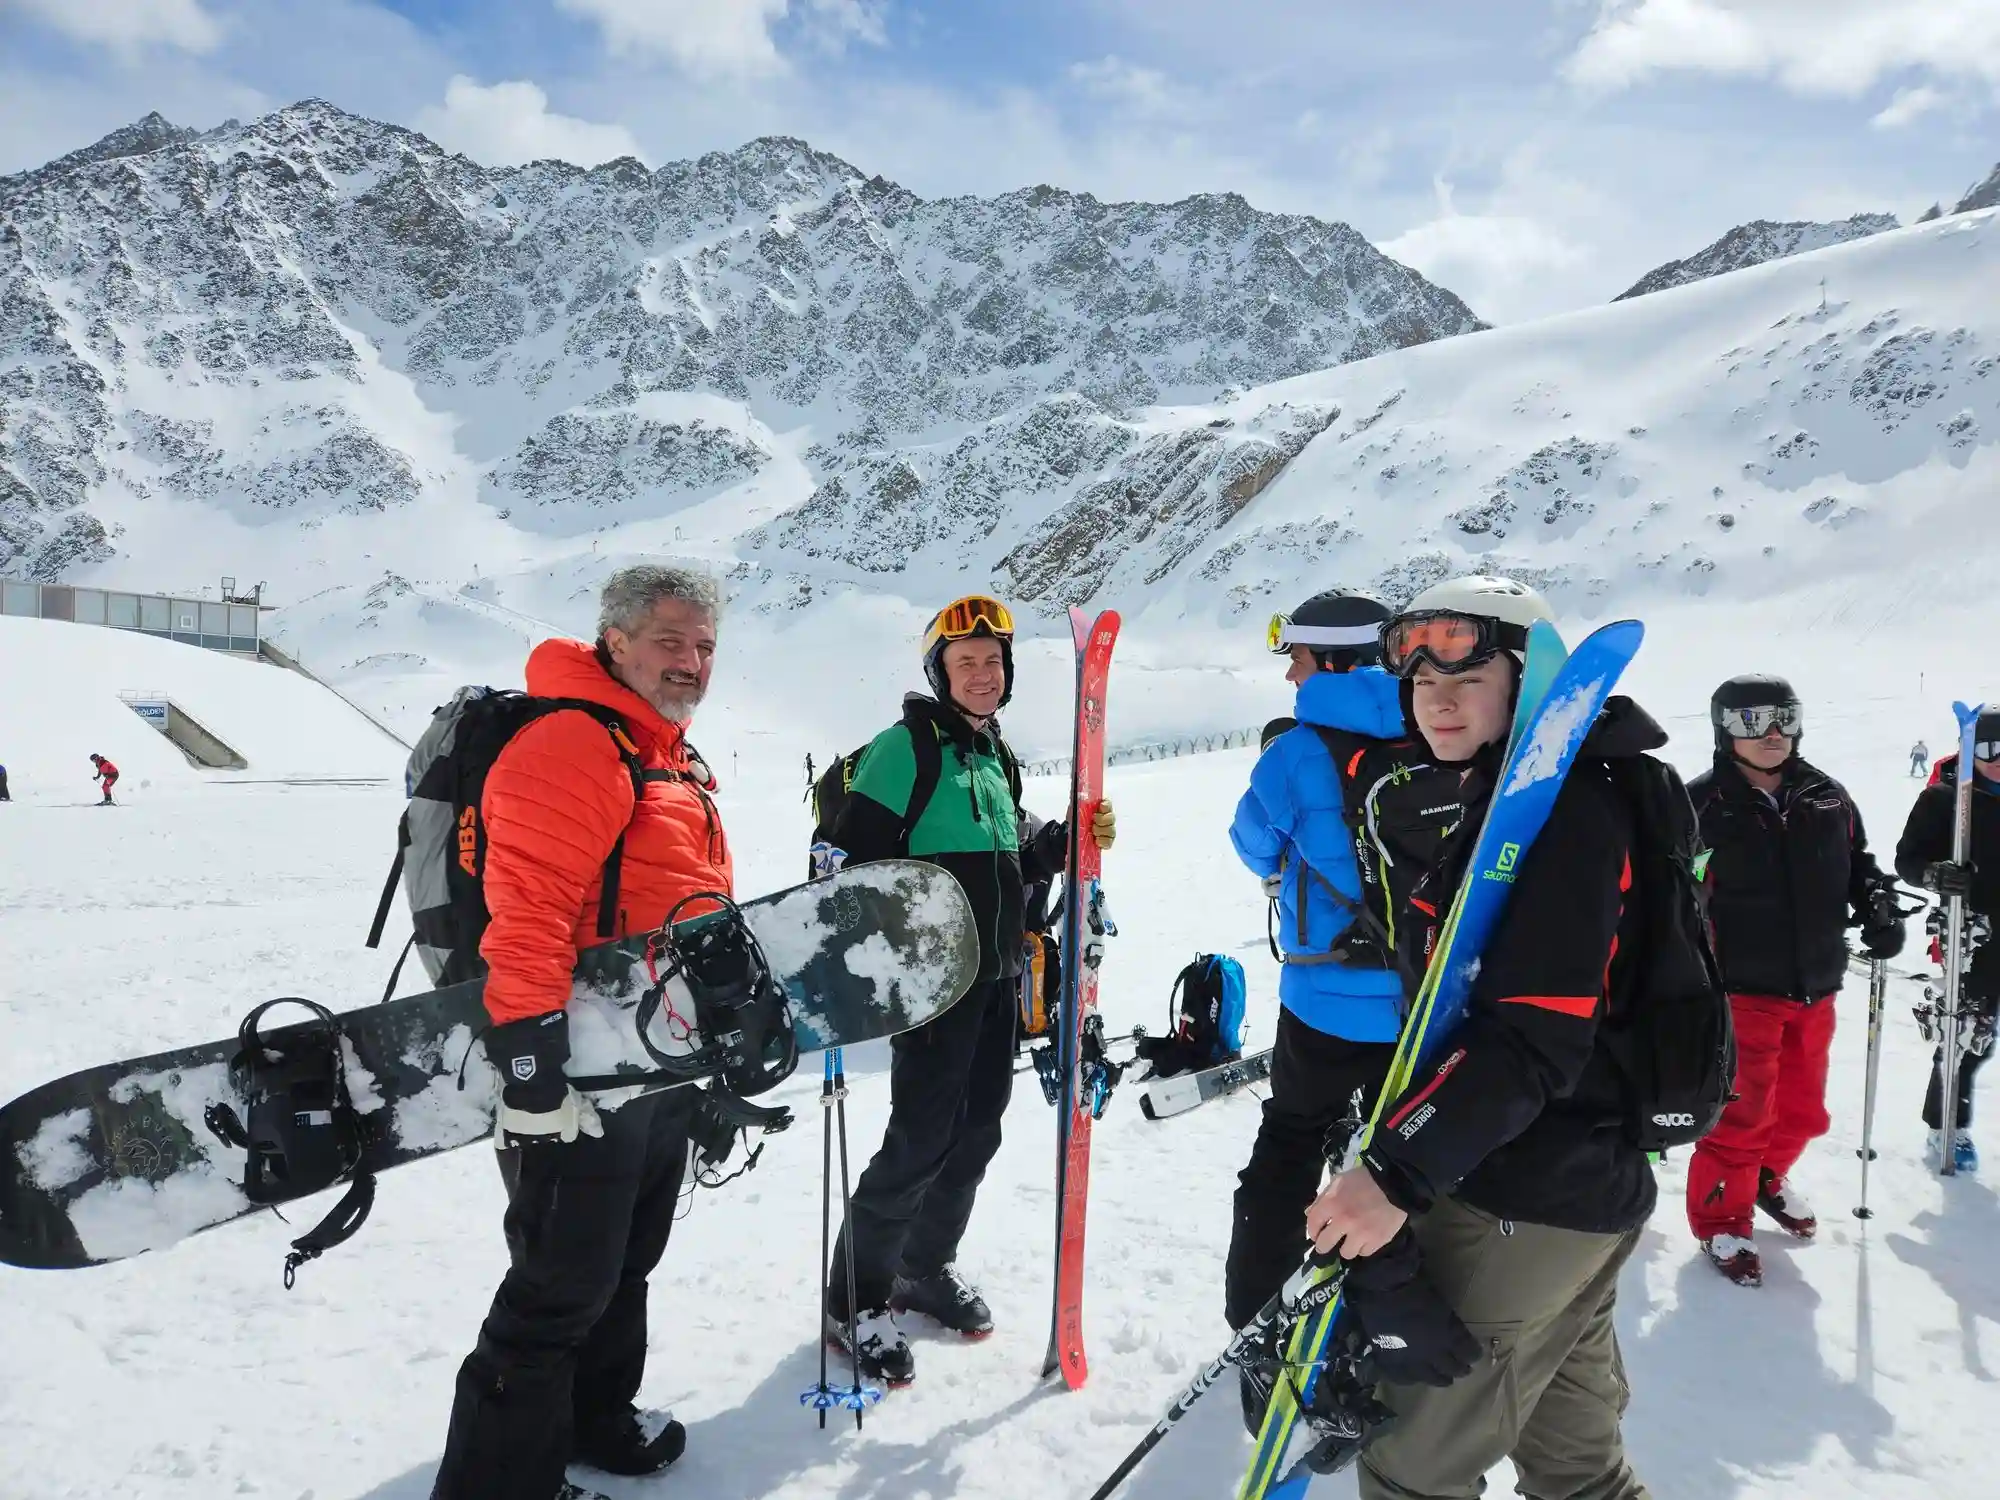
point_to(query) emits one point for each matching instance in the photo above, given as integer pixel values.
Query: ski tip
(1967, 713)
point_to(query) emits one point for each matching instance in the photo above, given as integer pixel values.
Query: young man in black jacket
(1487, 1222)
(1789, 872)
(1923, 857)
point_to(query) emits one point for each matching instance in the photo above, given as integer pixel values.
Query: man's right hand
(1949, 879)
(537, 1105)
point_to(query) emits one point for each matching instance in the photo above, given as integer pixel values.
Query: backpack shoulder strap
(928, 750)
(635, 766)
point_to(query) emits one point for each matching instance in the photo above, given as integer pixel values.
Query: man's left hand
(1353, 1217)
(1104, 825)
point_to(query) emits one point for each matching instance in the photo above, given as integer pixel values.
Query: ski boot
(1964, 1155)
(945, 1297)
(883, 1351)
(630, 1442)
(1735, 1256)
(1787, 1205)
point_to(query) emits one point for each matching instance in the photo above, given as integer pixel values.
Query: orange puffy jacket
(556, 799)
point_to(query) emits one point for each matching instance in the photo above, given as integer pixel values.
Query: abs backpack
(441, 840)
(1672, 1043)
(1204, 1018)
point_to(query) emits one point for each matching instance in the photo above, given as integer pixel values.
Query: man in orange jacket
(591, 1195)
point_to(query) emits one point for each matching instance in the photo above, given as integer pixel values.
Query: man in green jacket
(940, 785)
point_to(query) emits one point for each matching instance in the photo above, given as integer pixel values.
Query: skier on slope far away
(1923, 857)
(951, 1077)
(1920, 758)
(5, 795)
(107, 775)
(1339, 992)
(1503, 1192)
(591, 1194)
(1789, 872)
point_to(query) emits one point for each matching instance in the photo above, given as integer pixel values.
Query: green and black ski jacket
(971, 824)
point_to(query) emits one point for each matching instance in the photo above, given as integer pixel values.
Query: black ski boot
(947, 1298)
(885, 1353)
(632, 1442)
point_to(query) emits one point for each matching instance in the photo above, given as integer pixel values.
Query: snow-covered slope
(1754, 243)
(317, 315)
(60, 703)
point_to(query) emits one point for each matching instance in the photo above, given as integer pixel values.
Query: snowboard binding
(742, 1022)
(299, 1128)
(1343, 1415)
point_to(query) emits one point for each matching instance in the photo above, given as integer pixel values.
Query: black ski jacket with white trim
(1784, 878)
(1523, 1115)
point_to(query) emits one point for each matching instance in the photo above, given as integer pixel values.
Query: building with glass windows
(195, 622)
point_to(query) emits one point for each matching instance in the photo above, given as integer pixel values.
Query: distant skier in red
(106, 775)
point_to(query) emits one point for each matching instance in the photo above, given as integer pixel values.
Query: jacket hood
(1363, 701)
(1623, 729)
(570, 669)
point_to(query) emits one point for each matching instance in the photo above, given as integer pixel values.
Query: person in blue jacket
(1342, 801)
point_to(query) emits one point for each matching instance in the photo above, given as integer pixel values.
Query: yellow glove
(1104, 825)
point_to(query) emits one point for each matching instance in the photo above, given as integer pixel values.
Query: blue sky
(1533, 155)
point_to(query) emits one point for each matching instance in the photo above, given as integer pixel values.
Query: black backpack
(1204, 1018)
(1672, 1042)
(441, 839)
(835, 786)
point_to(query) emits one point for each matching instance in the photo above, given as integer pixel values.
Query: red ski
(1084, 1078)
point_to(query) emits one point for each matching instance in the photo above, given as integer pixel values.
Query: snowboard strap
(337, 1228)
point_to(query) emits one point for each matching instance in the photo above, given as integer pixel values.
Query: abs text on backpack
(1671, 1039)
(441, 840)
(1204, 1018)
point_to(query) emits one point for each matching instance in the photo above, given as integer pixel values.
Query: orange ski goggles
(1449, 641)
(975, 614)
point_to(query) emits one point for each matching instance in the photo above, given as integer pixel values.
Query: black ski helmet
(1342, 627)
(1749, 690)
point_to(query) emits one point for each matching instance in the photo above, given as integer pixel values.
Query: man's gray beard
(675, 702)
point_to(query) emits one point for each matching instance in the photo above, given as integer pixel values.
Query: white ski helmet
(1433, 626)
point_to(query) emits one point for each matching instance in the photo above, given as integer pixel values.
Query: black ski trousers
(948, 1087)
(1313, 1077)
(1969, 1064)
(565, 1340)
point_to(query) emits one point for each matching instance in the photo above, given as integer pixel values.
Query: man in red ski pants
(1790, 871)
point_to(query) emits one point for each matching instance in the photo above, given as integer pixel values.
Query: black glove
(1949, 880)
(1882, 926)
(1393, 1319)
(536, 1102)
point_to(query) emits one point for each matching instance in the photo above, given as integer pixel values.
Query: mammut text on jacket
(557, 798)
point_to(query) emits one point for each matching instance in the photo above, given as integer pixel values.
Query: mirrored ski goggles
(975, 614)
(1986, 749)
(1755, 723)
(1449, 641)
(1284, 632)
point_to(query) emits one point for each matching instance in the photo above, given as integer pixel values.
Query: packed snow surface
(1863, 1367)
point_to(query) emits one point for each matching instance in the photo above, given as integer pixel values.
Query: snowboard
(1547, 735)
(117, 1160)
(1084, 1078)
(1185, 1091)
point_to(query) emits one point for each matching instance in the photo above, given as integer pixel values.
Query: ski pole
(862, 1394)
(1878, 989)
(825, 1218)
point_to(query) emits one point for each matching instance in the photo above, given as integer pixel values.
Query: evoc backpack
(1672, 1042)
(1204, 1018)
(441, 840)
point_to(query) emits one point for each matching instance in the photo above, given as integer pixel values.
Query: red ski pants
(1780, 1106)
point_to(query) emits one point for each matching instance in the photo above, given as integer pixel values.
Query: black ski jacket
(1523, 1115)
(1926, 840)
(1785, 879)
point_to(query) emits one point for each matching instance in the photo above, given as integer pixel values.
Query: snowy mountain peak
(1986, 195)
(1753, 244)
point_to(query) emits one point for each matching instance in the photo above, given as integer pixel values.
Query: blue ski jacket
(1293, 811)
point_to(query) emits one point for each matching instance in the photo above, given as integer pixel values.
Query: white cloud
(507, 124)
(1502, 264)
(127, 25)
(1907, 106)
(1124, 85)
(723, 37)
(1817, 47)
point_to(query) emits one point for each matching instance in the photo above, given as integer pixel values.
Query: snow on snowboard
(124, 1158)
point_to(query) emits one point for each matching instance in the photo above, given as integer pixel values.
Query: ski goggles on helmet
(1986, 749)
(1756, 722)
(1451, 642)
(975, 614)
(1284, 632)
